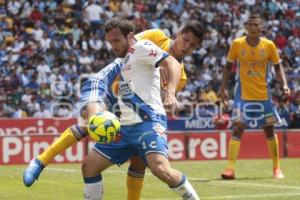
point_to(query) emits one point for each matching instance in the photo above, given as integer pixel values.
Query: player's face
(253, 27)
(185, 44)
(118, 42)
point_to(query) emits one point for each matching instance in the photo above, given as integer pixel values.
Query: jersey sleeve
(232, 54)
(274, 54)
(150, 53)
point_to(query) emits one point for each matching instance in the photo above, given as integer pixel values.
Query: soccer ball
(103, 127)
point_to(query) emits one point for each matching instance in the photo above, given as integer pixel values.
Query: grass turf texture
(254, 181)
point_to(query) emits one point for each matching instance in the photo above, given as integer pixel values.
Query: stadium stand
(47, 47)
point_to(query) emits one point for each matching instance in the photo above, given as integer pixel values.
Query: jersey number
(152, 145)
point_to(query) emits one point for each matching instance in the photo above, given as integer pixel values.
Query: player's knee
(137, 165)
(269, 132)
(238, 130)
(87, 168)
(84, 167)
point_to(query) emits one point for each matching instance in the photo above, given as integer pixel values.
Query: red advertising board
(212, 145)
(293, 144)
(21, 140)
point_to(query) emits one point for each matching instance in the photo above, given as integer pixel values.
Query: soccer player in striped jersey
(187, 40)
(143, 117)
(252, 102)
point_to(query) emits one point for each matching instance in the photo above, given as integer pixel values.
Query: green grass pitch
(254, 181)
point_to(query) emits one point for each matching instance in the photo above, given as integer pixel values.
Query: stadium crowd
(48, 47)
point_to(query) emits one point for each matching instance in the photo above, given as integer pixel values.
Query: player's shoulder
(239, 40)
(266, 41)
(144, 43)
(111, 70)
(151, 34)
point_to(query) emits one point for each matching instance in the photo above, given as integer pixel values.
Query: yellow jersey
(253, 73)
(159, 38)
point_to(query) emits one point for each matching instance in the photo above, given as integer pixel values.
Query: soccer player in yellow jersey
(187, 40)
(252, 102)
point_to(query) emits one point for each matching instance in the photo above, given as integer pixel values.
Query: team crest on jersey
(262, 53)
(243, 52)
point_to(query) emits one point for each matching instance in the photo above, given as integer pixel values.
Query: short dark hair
(124, 25)
(195, 27)
(254, 16)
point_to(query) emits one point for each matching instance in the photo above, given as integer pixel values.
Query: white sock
(186, 190)
(93, 188)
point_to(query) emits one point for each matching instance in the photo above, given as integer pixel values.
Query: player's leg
(270, 118)
(103, 156)
(160, 167)
(233, 150)
(68, 138)
(154, 148)
(71, 135)
(135, 178)
(273, 148)
(92, 166)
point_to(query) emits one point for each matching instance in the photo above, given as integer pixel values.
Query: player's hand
(170, 102)
(223, 96)
(286, 90)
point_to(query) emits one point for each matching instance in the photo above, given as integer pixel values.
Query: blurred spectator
(295, 111)
(209, 95)
(43, 112)
(93, 14)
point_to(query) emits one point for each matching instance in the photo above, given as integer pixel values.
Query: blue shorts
(255, 113)
(136, 140)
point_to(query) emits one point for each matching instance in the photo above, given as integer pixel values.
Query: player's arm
(222, 93)
(280, 76)
(172, 72)
(152, 54)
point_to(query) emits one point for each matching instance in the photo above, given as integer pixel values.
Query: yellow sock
(134, 187)
(274, 151)
(65, 140)
(233, 152)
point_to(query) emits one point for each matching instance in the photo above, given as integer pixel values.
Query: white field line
(117, 171)
(79, 171)
(61, 170)
(252, 184)
(254, 196)
(237, 196)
